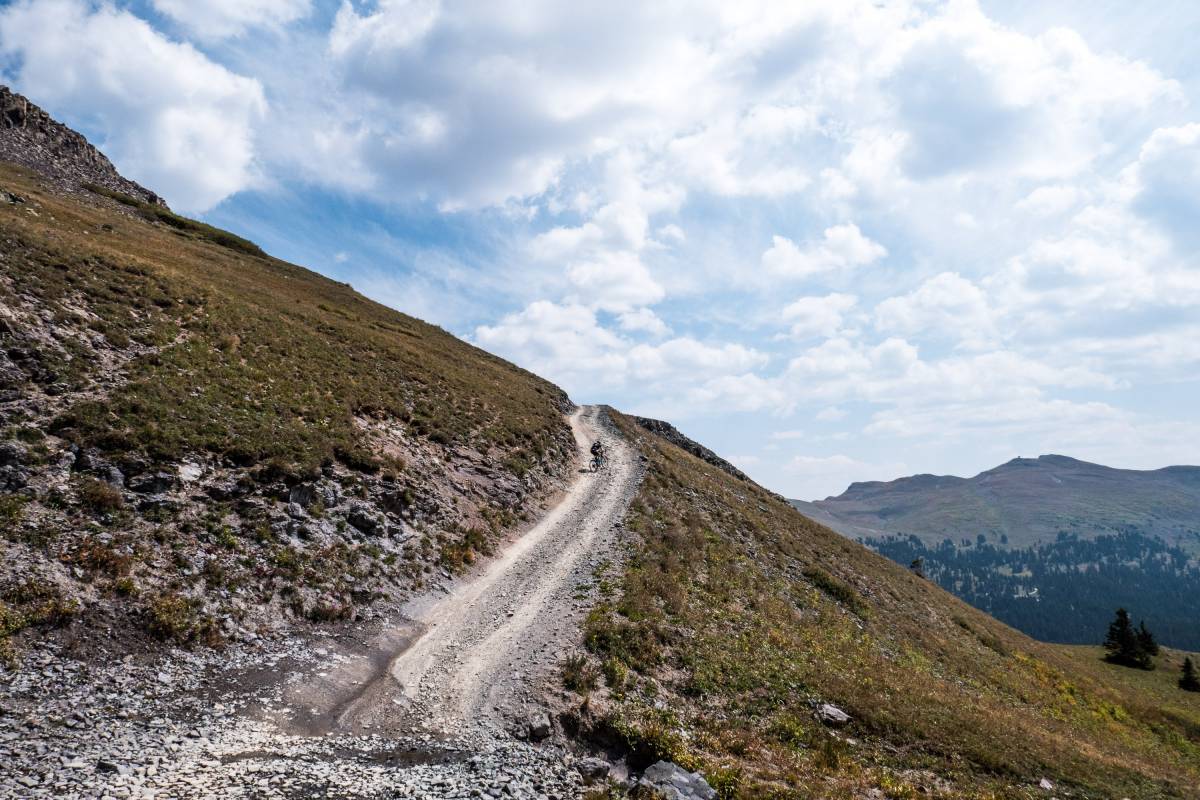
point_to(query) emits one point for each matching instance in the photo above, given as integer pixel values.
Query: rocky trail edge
(453, 697)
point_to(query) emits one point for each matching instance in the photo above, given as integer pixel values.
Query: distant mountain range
(1050, 545)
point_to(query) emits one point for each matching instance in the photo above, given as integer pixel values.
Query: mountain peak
(33, 139)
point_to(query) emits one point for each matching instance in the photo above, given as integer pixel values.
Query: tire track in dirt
(474, 661)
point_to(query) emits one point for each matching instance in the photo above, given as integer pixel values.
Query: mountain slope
(1027, 500)
(1049, 545)
(32, 138)
(200, 442)
(736, 615)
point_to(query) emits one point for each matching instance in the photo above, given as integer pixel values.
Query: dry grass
(252, 358)
(768, 611)
(147, 338)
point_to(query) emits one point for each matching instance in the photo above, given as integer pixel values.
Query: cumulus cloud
(1051, 200)
(218, 19)
(972, 95)
(563, 342)
(569, 344)
(478, 104)
(818, 316)
(1166, 175)
(945, 306)
(841, 247)
(644, 320)
(171, 118)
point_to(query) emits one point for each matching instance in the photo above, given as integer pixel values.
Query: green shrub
(170, 617)
(31, 604)
(99, 496)
(634, 644)
(12, 509)
(791, 730)
(578, 674)
(458, 554)
(616, 674)
(167, 217)
(841, 592)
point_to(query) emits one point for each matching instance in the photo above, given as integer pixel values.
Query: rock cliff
(31, 138)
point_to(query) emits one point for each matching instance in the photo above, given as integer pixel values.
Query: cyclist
(597, 455)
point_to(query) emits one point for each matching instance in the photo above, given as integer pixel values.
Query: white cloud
(841, 247)
(174, 120)
(1051, 200)
(830, 414)
(684, 357)
(615, 282)
(671, 233)
(218, 19)
(818, 316)
(562, 342)
(1166, 176)
(972, 95)
(644, 320)
(817, 477)
(568, 344)
(945, 306)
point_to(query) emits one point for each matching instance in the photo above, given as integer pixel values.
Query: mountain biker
(597, 454)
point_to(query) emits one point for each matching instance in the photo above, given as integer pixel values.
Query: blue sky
(835, 241)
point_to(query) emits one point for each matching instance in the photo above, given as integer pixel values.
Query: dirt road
(474, 660)
(423, 706)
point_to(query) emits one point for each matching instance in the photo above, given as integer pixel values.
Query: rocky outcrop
(31, 138)
(669, 432)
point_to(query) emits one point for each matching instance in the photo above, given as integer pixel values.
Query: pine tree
(1146, 640)
(1124, 643)
(1189, 681)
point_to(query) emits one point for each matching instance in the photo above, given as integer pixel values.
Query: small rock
(190, 471)
(152, 483)
(593, 769)
(1044, 783)
(673, 782)
(366, 518)
(104, 765)
(830, 714)
(539, 727)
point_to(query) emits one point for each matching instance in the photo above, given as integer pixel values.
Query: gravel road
(436, 703)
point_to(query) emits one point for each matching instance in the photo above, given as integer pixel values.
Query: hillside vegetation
(1048, 545)
(736, 616)
(204, 440)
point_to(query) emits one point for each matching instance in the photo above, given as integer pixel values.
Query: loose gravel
(454, 701)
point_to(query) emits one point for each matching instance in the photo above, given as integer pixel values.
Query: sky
(834, 241)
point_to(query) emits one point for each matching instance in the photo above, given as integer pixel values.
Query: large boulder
(675, 783)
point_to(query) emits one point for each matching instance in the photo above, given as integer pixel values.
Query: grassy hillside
(735, 614)
(1050, 545)
(190, 426)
